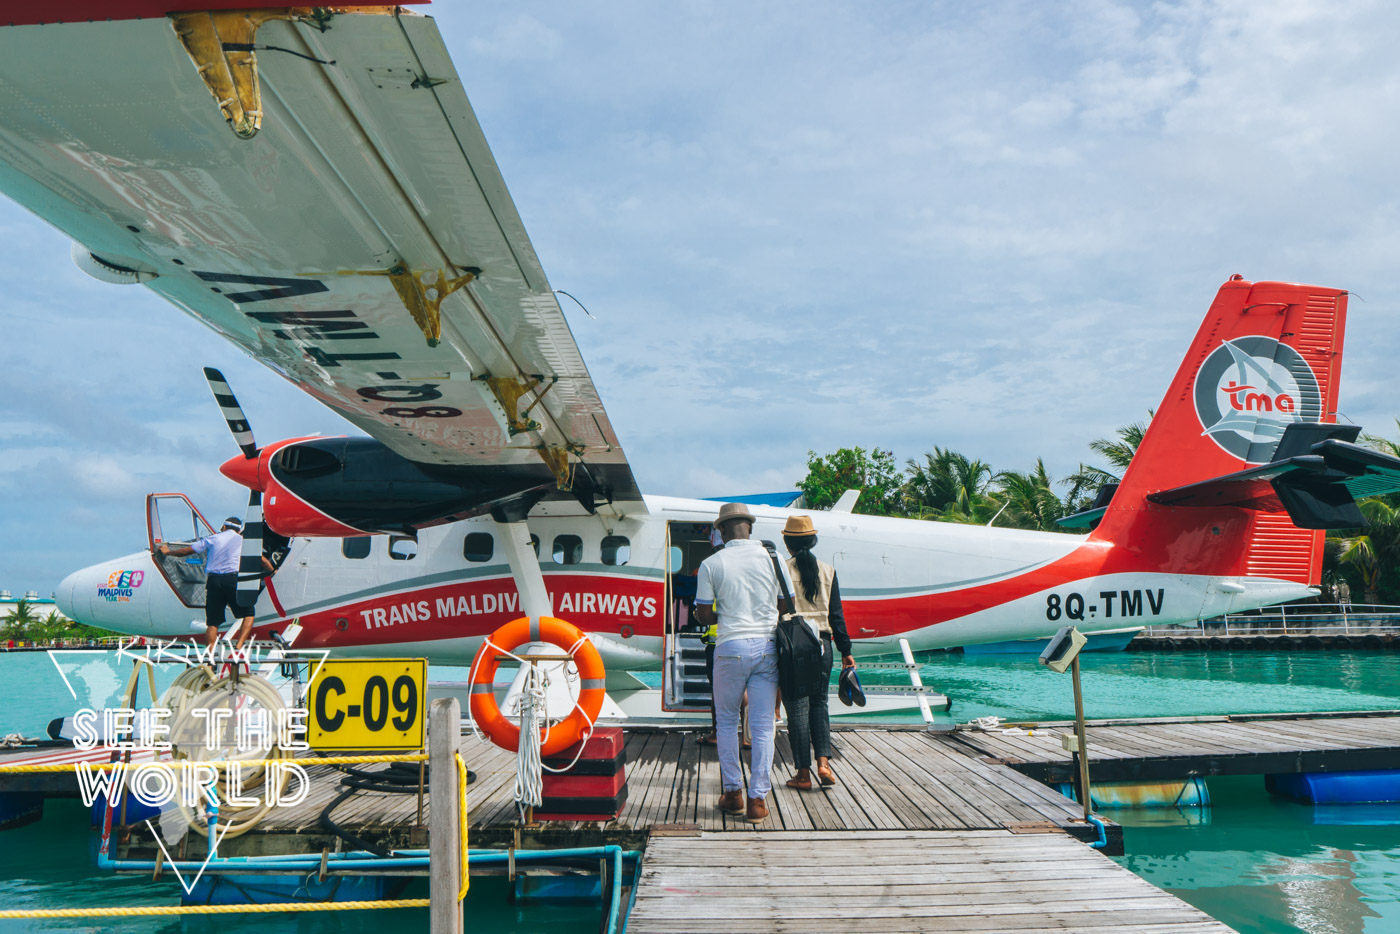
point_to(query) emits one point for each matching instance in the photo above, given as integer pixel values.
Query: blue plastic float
(1378, 786)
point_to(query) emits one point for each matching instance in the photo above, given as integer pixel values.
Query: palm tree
(20, 620)
(51, 628)
(1119, 451)
(1085, 483)
(1377, 548)
(948, 485)
(1031, 501)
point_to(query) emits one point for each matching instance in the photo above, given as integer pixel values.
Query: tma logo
(1249, 390)
(121, 585)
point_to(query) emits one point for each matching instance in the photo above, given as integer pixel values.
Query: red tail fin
(1267, 355)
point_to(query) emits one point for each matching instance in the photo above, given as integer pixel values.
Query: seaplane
(313, 185)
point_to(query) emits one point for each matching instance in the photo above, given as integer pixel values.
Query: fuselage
(936, 584)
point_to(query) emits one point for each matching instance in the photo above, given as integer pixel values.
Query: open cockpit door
(171, 519)
(685, 682)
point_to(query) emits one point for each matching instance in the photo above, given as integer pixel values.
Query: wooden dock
(947, 831)
(887, 780)
(863, 882)
(1243, 744)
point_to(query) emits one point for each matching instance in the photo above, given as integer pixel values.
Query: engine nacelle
(339, 487)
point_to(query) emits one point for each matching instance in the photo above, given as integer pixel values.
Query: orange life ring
(487, 714)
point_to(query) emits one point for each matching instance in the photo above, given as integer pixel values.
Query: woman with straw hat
(817, 598)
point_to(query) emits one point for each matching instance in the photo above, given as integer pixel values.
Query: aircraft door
(685, 684)
(171, 519)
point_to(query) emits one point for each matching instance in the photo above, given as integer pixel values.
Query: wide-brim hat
(733, 511)
(799, 527)
(849, 689)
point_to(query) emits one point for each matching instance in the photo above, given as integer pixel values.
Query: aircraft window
(478, 546)
(677, 559)
(535, 543)
(568, 549)
(617, 549)
(402, 548)
(357, 547)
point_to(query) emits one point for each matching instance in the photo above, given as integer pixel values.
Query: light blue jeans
(741, 664)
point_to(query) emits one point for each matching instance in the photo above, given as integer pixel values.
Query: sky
(991, 227)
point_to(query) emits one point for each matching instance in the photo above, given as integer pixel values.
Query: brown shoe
(731, 802)
(757, 812)
(826, 777)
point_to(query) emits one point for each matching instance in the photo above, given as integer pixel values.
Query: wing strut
(525, 568)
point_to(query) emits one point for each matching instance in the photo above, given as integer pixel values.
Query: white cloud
(992, 227)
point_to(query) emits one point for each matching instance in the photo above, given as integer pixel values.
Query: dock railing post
(444, 817)
(1083, 754)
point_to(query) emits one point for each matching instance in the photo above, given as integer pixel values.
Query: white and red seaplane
(313, 185)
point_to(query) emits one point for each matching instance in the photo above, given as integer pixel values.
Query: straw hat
(733, 511)
(799, 527)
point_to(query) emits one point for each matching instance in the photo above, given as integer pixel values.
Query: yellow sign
(367, 704)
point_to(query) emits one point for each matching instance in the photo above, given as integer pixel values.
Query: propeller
(233, 412)
(250, 561)
(250, 569)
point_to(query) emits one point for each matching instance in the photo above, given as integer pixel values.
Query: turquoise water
(1261, 865)
(1153, 684)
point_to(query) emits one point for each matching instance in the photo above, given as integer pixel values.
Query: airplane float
(314, 186)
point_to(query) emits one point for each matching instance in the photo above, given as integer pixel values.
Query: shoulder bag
(801, 663)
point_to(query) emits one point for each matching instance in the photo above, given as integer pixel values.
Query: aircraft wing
(315, 187)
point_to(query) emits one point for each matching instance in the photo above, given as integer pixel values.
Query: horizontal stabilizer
(1318, 476)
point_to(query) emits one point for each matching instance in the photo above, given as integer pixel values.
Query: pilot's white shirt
(740, 581)
(224, 549)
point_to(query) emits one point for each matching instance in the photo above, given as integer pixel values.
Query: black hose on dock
(399, 778)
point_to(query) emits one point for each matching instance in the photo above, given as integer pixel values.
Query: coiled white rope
(529, 779)
(188, 742)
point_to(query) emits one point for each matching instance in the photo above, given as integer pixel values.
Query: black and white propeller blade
(233, 412)
(250, 567)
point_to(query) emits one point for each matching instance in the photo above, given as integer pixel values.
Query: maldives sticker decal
(1249, 390)
(121, 586)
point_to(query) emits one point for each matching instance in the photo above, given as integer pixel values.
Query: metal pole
(1084, 794)
(444, 819)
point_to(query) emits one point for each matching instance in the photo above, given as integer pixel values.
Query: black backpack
(801, 662)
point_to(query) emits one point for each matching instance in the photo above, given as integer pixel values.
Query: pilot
(222, 551)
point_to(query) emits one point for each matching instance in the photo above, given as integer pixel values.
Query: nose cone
(244, 471)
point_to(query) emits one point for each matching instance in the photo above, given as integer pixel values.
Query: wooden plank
(659, 804)
(686, 797)
(853, 793)
(647, 776)
(707, 815)
(898, 881)
(888, 792)
(927, 777)
(786, 803)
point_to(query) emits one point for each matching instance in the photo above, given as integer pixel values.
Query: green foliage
(1031, 502)
(947, 485)
(1370, 558)
(873, 473)
(1119, 451)
(18, 621)
(24, 624)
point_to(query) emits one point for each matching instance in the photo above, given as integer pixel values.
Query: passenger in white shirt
(738, 587)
